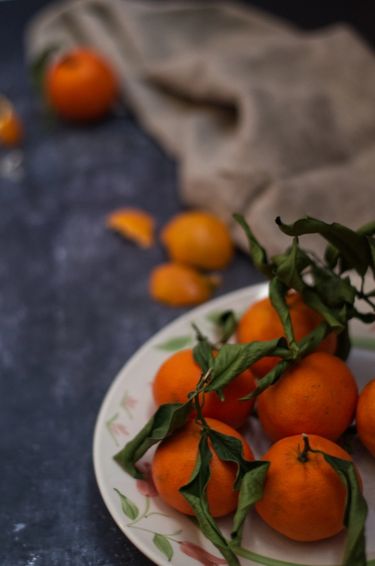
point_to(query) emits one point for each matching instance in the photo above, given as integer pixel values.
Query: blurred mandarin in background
(11, 129)
(199, 239)
(80, 85)
(179, 285)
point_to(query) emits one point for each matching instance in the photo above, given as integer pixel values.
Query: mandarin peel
(133, 224)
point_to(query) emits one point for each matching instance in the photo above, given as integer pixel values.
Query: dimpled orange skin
(303, 501)
(174, 462)
(179, 375)
(318, 395)
(366, 417)
(261, 322)
(81, 85)
(179, 285)
(199, 239)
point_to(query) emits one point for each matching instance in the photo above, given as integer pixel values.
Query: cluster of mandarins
(197, 242)
(304, 498)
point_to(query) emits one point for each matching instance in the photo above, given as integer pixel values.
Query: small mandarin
(199, 239)
(179, 285)
(80, 85)
(318, 395)
(261, 322)
(174, 462)
(179, 375)
(11, 129)
(304, 498)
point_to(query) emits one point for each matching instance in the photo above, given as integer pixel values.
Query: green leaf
(128, 507)
(162, 543)
(355, 512)
(227, 324)
(175, 344)
(352, 246)
(195, 492)
(165, 421)
(257, 252)
(371, 244)
(202, 353)
(307, 345)
(233, 359)
(229, 449)
(343, 344)
(332, 255)
(277, 294)
(334, 290)
(291, 265)
(251, 491)
(269, 379)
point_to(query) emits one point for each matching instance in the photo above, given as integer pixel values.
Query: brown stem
(303, 457)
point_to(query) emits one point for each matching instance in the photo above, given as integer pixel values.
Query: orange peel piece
(133, 224)
(179, 285)
(11, 130)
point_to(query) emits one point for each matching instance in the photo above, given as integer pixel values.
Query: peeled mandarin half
(199, 239)
(134, 224)
(179, 285)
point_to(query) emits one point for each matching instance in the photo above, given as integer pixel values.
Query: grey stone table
(73, 308)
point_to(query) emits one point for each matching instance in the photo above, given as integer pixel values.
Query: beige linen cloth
(262, 118)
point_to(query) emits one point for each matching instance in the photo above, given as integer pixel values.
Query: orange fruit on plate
(199, 239)
(81, 85)
(366, 417)
(318, 395)
(179, 285)
(303, 500)
(174, 462)
(261, 322)
(178, 376)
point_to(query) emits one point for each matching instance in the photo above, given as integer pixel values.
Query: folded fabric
(263, 119)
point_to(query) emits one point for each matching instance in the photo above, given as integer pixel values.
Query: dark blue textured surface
(73, 307)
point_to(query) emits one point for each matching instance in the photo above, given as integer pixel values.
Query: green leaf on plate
(174, 344)
(163, 423)
(229, 449)
(128, 507)
(195, 492)
(278, 291)
(162, 543)
(233, 359)
(227, 324)
(355, 512)
(251, 491)
(202, 354)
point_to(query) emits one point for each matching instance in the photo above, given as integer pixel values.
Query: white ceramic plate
(168, 537)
